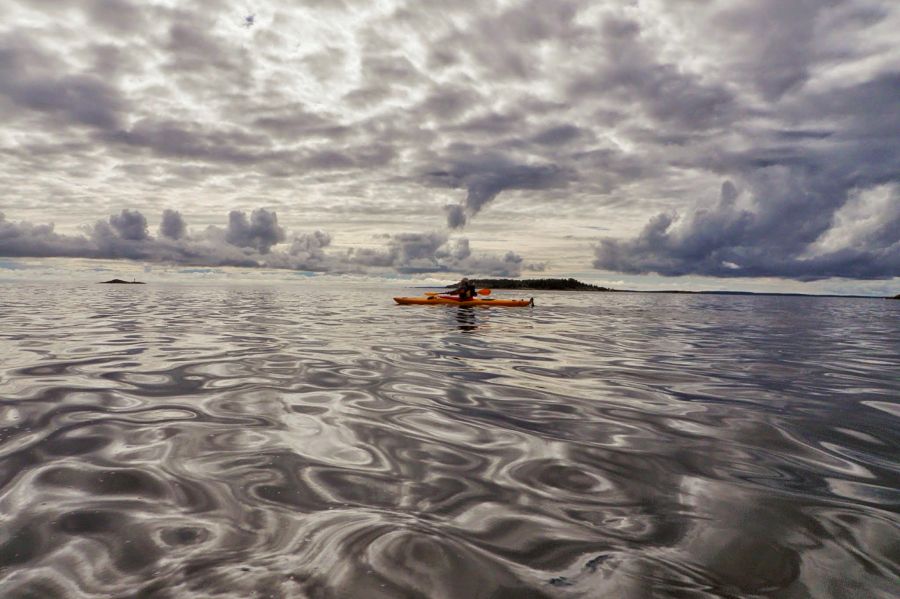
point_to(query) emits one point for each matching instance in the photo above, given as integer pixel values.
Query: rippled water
(308, 441)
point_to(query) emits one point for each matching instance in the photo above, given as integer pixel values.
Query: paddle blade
(484, 292)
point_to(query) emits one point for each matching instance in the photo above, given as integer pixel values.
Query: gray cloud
(33, 81)
(589, 110)
(633, 73)
(796, 190)
(130, 225)
(172, 225)
(486, 177)
(117, 16)
(558, 135)
(171, 139)
(310, 244)
(249, 242)
(435, 252)
(28, 240)
(261, 232)
(727, 241)
(456, 216)
(778, 44)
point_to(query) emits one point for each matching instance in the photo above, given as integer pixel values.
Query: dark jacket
(465, 291)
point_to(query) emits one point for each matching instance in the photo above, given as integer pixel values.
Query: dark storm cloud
(559, 135)
(796, 181)
(249, 242)
(456, 216)
(794, 197)
(774, 241)
(777, 41)
(129, 224)
(21, 240)
(632, 72)
(484, 177)
(34, 81)
(260, 232)
(172, 224)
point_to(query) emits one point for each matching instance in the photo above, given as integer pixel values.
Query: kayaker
(465, 290)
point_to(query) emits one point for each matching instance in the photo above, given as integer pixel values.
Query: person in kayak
(465, 290)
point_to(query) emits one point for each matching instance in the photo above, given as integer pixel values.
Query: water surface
(314, 441)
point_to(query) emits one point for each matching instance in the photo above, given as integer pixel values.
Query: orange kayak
(436, 300)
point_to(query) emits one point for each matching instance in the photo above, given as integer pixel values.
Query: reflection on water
(466, 318)
(305, 442)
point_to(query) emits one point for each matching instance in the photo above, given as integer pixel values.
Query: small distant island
(538, 284)
(121, 282)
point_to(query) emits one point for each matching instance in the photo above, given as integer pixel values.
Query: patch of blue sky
(12, 265)
(193, 271)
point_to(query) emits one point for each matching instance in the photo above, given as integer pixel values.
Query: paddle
(480, 292)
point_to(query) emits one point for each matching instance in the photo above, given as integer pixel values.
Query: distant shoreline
(121, 282)
(571, 284)
(538, 284)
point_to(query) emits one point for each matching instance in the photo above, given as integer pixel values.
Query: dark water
(175, 441)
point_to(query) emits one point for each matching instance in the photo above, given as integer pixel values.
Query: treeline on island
(541, 284)
(121, 282)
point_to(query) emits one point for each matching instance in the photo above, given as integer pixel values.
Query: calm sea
(313, 441)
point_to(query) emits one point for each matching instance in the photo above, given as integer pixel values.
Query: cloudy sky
(750, 144)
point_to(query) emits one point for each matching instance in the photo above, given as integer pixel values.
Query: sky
(689, 144)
